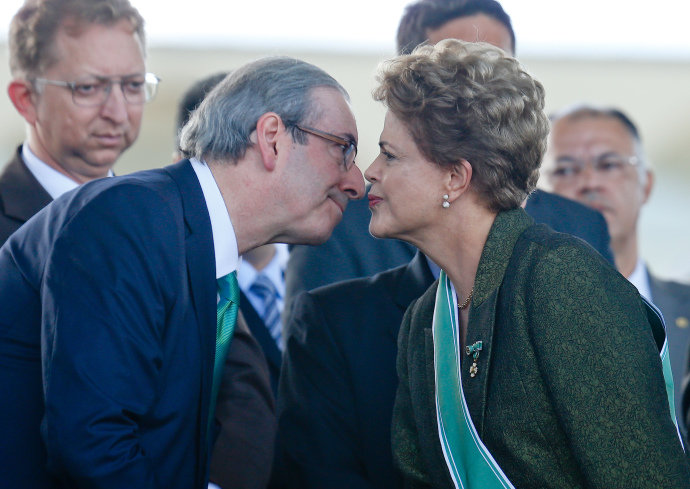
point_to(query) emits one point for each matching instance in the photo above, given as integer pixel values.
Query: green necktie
(226, 315)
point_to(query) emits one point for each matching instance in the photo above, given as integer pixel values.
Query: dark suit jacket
(273, 355)
(569, 390)
(21, 196)
(338, 382)
(115, 284)
(352, 252)
(570, 217)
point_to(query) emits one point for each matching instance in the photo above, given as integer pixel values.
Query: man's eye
(87, 89)
(609, 165)
(565, 171)
(133, 86)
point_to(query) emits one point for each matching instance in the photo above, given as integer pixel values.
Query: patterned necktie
(226, 316)
(264, 289)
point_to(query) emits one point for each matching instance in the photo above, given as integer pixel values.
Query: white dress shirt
(224, 239)
(640, 279)
(54, 182)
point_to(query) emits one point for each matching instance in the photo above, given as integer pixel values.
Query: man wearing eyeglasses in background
(595, 156)
(80, 82)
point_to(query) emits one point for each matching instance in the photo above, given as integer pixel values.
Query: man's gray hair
(220, 128)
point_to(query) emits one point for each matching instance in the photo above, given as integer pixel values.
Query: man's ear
(459, 178)
(647, 185)
(22, 96)
(268, 130)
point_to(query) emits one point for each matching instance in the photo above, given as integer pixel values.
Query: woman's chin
(379, 231)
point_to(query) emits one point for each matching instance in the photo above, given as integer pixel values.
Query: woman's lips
(374, 200)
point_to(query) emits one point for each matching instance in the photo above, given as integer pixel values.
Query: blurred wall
(654, 93)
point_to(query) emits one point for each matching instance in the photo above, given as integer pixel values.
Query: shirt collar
(224, 239)
(54, 182)
(275, 271)
(640, 279)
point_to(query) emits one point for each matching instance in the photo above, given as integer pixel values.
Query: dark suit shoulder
(359, 286)
(21, 196)
(567, 216)
(672, 287)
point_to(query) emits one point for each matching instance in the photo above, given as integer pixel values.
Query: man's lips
(374, 200)
(109, 139)
(340, 205)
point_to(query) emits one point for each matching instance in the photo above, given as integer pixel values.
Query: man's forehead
(478, 27)
(81, 42)
(590, 132)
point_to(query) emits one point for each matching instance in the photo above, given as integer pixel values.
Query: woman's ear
(267, 134)
(459, 178)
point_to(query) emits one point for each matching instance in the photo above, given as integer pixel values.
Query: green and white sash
(666, 364)
(469, 461)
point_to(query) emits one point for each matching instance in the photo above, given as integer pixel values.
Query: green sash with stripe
(470, 463)
(665, 363)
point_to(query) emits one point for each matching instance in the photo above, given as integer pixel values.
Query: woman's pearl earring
(445, 204)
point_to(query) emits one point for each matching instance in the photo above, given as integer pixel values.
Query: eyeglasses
(607, 165)
(94, 91)
(348, 146)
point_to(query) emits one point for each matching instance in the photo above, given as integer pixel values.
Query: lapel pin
(474, 351)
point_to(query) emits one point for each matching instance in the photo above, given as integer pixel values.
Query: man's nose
(352, 183)
(115, 105)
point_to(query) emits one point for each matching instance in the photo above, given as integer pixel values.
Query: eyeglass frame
(150, 80)
(595, 163)
(348, 145)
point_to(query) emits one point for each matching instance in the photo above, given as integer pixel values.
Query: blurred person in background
(79, 81)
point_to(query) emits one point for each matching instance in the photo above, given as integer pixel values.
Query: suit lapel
(22, 196)
(201, 269)
(493, 263)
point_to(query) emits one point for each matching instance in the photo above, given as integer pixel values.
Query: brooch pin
(474, 351)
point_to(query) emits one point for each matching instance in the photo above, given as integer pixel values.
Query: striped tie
(226, 315)
(264, 289)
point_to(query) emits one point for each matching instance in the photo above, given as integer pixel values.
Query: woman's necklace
(466, 302)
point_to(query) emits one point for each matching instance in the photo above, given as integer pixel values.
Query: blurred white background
(584, 28)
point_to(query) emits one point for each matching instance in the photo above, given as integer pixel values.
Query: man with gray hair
(595, 156)
(131, 351)
(79, 81)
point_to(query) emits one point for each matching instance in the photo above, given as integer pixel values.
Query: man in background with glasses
(595, 156)
(80, 82)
